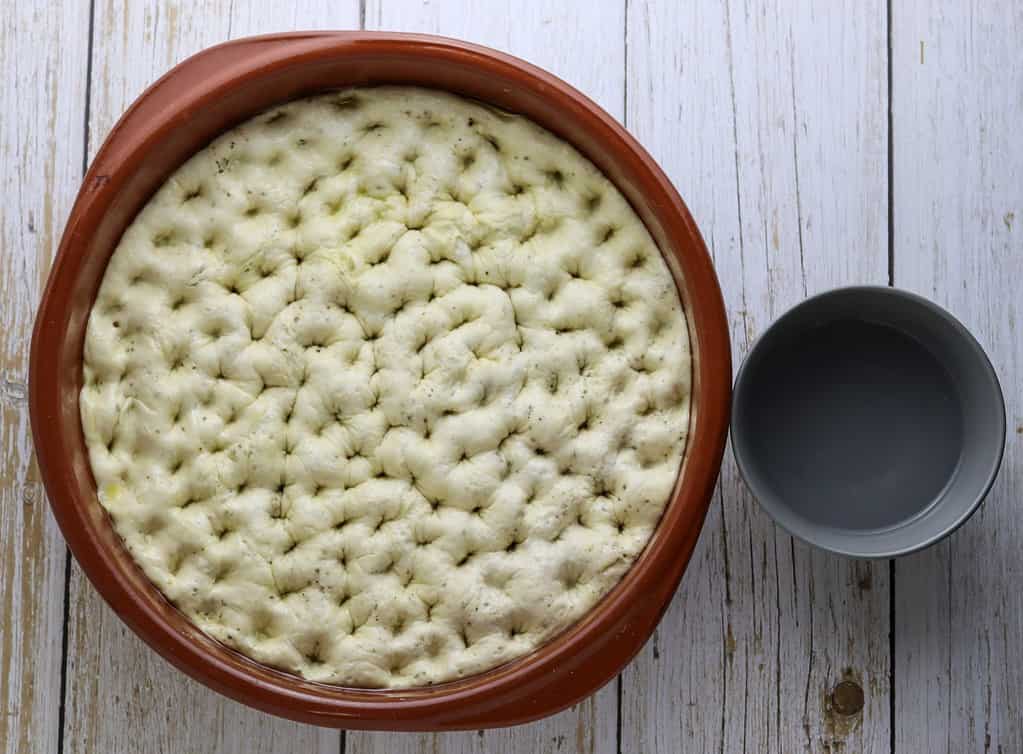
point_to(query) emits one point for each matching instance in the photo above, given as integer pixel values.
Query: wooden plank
(120, 696)
(41, 134)
(586, 49)
(957, 101)
(583, 43)
(772, 122)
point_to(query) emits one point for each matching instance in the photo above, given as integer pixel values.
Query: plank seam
(64, 651)
(891, 283)
(625, 122)
(891, 160)
(66, 621)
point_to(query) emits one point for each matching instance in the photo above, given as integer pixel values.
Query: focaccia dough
(386, 387)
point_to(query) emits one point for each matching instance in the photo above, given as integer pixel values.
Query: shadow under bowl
(868, 421)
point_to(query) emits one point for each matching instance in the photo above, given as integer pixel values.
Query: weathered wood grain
(957, 77)
(771, 119)
(43, 102)
(585, 45)
(120, 695)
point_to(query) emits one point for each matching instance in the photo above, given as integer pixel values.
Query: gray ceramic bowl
(868, 421)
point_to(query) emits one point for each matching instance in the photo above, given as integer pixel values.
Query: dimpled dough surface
(386, 387)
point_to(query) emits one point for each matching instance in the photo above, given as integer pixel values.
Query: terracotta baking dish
(178, 115)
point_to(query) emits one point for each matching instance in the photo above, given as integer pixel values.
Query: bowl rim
(794, 525)
(560, 672)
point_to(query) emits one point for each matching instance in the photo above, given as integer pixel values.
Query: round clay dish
(177, 116)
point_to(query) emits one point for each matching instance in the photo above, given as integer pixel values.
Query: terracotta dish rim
(185, 109)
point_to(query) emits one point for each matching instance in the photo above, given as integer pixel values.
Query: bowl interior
(225, 85)
(868, 421)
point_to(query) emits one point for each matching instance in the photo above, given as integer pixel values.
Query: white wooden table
(817, 144)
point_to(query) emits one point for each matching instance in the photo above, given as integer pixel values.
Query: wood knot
(847, 698)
